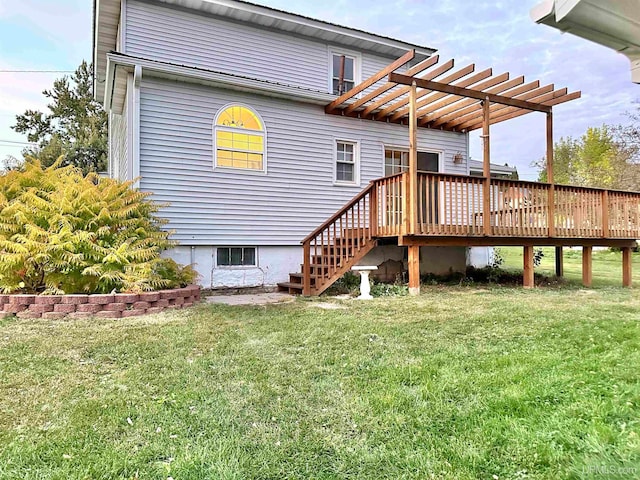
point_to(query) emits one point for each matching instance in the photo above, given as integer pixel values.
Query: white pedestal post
(365, 287)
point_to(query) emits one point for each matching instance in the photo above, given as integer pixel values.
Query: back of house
(217, 107)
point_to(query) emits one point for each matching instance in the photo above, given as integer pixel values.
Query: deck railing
(452, 205)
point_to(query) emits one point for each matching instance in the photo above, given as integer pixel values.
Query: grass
(607, 265)
(459, 383)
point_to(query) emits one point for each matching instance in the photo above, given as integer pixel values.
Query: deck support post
(486, 168)
(559, 257)
(551, 214)
(587, 266)
(626, 267)
(413, 161)
(414, 270)
(527, 274)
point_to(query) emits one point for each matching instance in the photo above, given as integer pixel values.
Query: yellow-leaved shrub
(63, 232)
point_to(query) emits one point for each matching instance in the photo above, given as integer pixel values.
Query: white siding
(195, 39)
(244, 208)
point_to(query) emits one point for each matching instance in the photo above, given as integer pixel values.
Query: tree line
(605, 157)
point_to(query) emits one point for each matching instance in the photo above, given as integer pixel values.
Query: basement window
(236, 256)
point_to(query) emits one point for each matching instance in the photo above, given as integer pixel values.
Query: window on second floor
(345, 68)
(239, 139)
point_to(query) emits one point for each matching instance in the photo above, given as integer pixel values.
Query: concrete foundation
(274, 263)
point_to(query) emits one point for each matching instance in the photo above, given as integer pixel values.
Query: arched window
(239, 139)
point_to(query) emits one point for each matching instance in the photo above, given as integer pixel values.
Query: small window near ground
(343, 72)
(346, 162)
(236, 257)
(395, 161)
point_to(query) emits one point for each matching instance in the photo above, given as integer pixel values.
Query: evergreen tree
(75, 125)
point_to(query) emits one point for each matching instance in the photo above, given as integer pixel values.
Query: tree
(603, 157)
(74, 127)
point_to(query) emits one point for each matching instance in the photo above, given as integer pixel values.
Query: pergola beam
(449, 78)
(476, 114)
(557, 97)
(467, 92)
(470, 105)
(434, 97)
(499, 83)
(445, 67)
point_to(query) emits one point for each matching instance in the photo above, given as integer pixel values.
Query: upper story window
(239, 139)
(345, 71)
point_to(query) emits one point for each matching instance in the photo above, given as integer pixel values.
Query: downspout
(135, 147)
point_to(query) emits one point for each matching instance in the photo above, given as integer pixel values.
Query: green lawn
(607, 265)
(460, 383)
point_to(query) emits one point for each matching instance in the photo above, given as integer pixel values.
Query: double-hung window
(395, 161)
(347, 162)
(345, 71)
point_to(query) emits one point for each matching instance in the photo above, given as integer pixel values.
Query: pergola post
(551, 216)
(414, 250)
(587, 266)
(486, 168)
(413, 161)
(626, 267)
(527, 273)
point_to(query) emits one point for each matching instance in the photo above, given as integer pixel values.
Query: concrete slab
(252, 299)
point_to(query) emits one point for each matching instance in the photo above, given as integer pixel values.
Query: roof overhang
(446, 98)
(612, 23)
(119, 65)
(107, 17)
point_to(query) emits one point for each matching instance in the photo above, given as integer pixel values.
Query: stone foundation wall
(118, 305)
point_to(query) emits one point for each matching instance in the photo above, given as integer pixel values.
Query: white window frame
(263, 133)
(357, 65)
(356, 162)
(406, 149)
(237, 267)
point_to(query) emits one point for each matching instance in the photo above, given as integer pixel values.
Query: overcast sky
(47, 35)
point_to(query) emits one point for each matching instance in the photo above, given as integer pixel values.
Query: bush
(62, 232)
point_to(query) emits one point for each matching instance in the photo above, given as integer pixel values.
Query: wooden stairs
(328, 265)
(337, 245)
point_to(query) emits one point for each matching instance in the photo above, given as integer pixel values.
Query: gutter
(155, 68)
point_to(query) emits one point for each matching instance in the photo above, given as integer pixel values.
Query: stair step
(293, 288)
(299, 278)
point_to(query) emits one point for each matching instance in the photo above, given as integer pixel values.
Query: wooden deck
(451, 211)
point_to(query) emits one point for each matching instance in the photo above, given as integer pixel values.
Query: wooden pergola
(436, 95)
(417, 209)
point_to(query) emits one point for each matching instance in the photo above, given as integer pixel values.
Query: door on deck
(428, 192)
(396, 161)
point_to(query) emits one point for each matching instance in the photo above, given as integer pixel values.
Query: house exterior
(172, 74)
(287, 148)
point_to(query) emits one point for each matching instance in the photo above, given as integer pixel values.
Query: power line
(37, 71)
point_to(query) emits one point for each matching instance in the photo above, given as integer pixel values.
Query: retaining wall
(118, 305)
